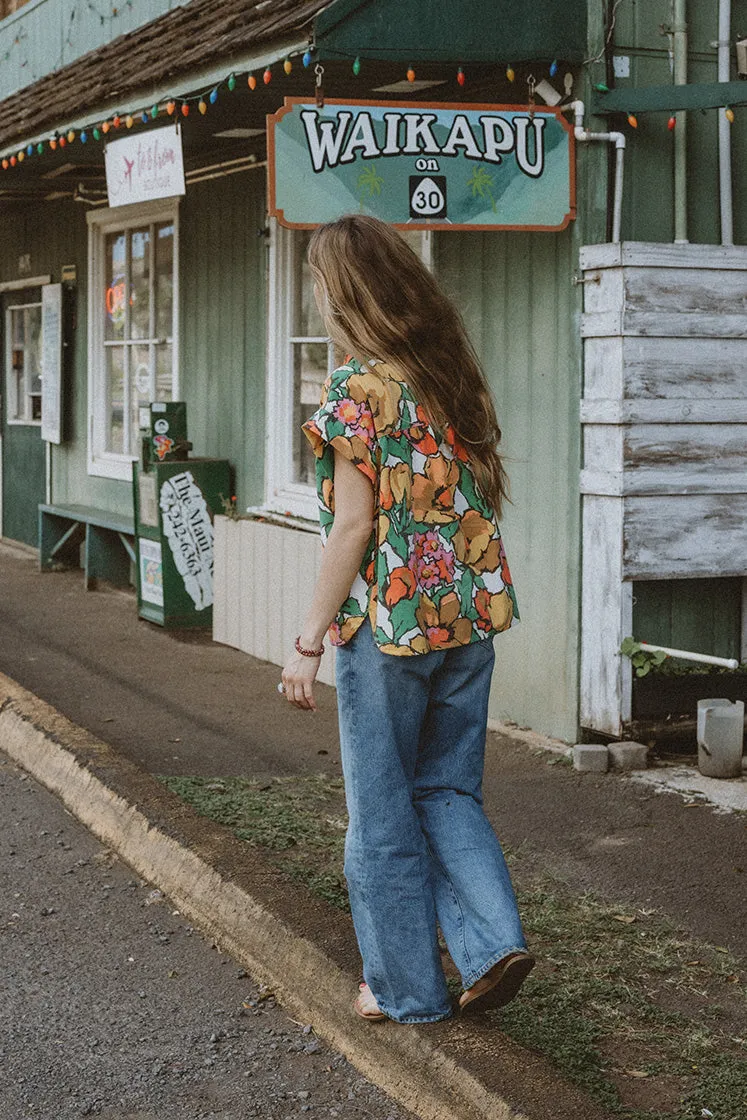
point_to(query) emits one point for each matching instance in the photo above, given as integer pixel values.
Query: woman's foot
(501, 983)
(366, 1006)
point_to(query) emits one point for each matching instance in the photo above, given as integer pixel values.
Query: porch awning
(462, 31)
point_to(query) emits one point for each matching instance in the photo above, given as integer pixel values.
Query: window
(132, 328)
(23, 363)
(300, 356)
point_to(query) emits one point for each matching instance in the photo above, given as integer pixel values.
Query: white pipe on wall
(686, 655)
(724, 128)
(679, 50)
(618, 139)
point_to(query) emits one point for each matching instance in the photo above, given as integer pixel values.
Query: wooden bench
(109, 542)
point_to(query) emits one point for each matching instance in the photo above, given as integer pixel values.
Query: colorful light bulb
(170, 106)
(39, 148)
(154, 112)
(13, 161)
(251, 81)
(96, 134)
(510, 73)
(202, 106)
(116, 120)
(267, 76)
(84, 137)
(356, 66)
(410, 74)
(232, 83)
(6, 165)
(129, 121)
(30, 150)
(460, 76)
(53, 143)
(553, 67)
(213, 95)
(672, 123)
(21, 156)
(287, 66)
(185, 109)
(306, 58)
(632, 120)
(729, 114)
(62, 141)
(144, 117)
(105, 127)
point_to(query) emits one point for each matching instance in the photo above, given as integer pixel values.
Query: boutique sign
(421, 165)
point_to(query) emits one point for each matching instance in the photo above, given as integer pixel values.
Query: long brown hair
(382, 302)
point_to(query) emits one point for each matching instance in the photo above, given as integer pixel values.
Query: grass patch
(652, 1025)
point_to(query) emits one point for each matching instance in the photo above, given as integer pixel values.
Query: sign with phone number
(421, 165)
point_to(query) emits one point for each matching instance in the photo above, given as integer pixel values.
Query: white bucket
(720, 738)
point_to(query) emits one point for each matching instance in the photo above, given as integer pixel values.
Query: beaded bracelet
(308, 652)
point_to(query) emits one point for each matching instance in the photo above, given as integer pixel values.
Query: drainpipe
(617, 138)
(724, 128)
(679, 50)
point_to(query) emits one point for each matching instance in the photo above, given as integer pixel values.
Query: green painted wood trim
(669, 98)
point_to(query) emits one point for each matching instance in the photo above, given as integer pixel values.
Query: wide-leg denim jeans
(419, 848)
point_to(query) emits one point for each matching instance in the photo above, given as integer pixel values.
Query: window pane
(308, 322)
(164, 281)
(309, 374)
(164, 372)
(140, 283)
(115, 382)
(141, 389)
(33, 349)
(115, 266)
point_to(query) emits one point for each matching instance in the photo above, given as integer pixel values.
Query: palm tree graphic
(369, 183)
(482, 184)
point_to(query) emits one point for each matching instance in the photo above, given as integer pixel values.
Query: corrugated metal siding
(223, 299)
(648, 200)
(516, 295)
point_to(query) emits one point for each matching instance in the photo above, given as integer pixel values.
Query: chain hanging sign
(421, 165)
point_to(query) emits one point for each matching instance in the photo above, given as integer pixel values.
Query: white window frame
(10, 379)
(282, 494)
(118, 219)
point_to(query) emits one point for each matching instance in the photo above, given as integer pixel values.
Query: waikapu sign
(145, 166)
(421, 165)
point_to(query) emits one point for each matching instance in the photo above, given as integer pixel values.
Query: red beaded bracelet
(308, 652)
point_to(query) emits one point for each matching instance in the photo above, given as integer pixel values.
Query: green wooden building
(615, 346)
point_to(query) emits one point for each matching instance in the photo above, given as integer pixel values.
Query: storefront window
(24, 387)
(300, 358)
(132, 331)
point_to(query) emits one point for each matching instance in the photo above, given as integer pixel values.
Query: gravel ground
(111, 1005)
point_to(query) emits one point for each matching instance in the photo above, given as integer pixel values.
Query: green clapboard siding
(699, 615)
(514, 292)
(23, 483)
(223, 348)
(45, 35)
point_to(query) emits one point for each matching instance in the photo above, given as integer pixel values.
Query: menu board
(51, 428)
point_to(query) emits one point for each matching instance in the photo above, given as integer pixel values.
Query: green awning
(461, 31)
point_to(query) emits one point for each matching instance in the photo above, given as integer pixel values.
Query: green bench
(109, 542)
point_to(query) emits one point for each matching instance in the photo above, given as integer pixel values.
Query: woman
(412, 588)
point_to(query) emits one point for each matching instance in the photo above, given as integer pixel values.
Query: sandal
(366, 1006)
(501, 983)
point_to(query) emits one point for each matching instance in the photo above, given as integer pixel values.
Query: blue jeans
(419, 848)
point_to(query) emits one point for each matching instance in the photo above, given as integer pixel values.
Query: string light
(30, 150)
(154, 112)
(39, 148)
(251, 81)
(602, 87)
(287, 66)
(306, 58)
(213, 95)
(185, 109)
(202, 106)
(13, 161)
(6, 165)
(84, 137)
(232, 83)
(553, 67)
(632, 120)
(61, 141)
(267, 76)
(96, 135)
(729, 114)
(116, 120)
(356, 66)
(410, 74)
(460, 76)
(21, 156)
(144, 117)
(511, 74)
(129, 121)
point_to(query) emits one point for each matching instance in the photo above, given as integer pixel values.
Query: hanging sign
(51, 363)
(145, 166)
(421, 165)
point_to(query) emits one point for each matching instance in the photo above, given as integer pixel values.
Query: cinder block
(628, 756)
(590, 756)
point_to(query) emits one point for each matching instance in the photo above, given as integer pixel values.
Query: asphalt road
(111, 1005)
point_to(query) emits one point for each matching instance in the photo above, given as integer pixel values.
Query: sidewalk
(180, 705)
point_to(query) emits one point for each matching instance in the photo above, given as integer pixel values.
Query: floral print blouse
(435, 573)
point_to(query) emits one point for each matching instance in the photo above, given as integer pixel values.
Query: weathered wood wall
(664, 418)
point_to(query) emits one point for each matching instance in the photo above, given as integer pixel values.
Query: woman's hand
(298, 677)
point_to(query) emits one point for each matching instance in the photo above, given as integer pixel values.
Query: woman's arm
(342, 558)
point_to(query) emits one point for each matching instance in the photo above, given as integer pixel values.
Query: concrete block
(628, 756)
(590, 756)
